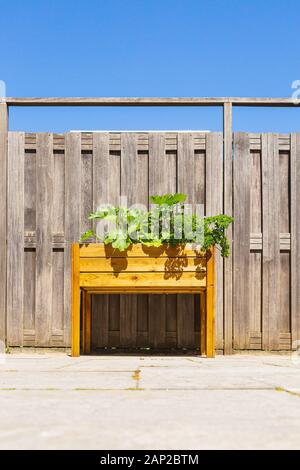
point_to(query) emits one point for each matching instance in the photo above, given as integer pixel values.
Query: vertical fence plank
(15, 238)
(170, 186)
(162, 180)
(271, 242)
(241, 250)
(3, 117)
(284, 228)
(255, 276)
(29, 301)
(158, 184)
(295, 238)
(72, 217)
(29, 295)
(44, 211)
(3, 221)
(57, 327)
(30, 191)
(57, 317)
(113, 197)
(130, 189)
(101, 169)
(142, 197)
(58, 192)
(228, 209)
(100, 319)
(3, 212)
(199, 195)
(214, 206)
(86, 190)
(186, 185)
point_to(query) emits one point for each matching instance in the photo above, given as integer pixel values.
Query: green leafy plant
(168, 199)
(167, 222)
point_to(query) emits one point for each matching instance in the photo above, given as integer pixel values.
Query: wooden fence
(54, 181)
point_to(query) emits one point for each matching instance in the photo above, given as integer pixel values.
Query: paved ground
(53, 401)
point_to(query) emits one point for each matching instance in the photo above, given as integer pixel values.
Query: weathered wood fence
(54, 181)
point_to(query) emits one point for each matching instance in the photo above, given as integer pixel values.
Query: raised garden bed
(161, 251)
(101, 269)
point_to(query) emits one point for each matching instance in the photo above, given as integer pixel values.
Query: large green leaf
(86, 235)
(168, 199)
(121, 244)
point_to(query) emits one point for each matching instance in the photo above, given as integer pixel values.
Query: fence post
(295, 239)
(3, 209)
(227, 203)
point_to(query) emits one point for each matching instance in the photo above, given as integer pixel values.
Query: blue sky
(150, 48)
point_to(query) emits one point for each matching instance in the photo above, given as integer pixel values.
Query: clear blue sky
(150, 48)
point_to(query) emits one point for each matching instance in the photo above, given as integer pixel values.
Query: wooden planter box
(99, 269)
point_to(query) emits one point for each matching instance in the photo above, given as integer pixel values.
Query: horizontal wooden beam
(152, 101)
(256, 239)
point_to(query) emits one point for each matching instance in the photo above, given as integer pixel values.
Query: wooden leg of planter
(203, 323)
(75, 302)
(83, 317)
(210, 305)
(87, 322)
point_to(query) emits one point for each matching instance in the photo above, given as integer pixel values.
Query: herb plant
(167, 222)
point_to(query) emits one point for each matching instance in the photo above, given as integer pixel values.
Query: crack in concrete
(137, 387)
(69, 371)
(290, 392)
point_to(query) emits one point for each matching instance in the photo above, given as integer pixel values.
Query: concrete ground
(52, 401)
